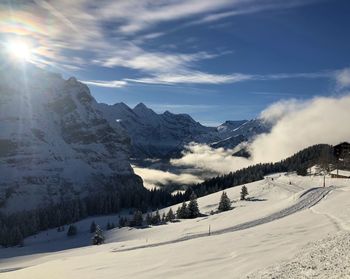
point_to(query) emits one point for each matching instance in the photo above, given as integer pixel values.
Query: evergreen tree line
(15, 227)
(138, 220)
(299, 162)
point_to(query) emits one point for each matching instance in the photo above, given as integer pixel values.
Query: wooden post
(209, 230)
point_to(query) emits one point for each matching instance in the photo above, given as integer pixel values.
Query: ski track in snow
(334, 220)
(307, 200)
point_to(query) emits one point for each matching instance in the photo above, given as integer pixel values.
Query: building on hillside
(340, 174)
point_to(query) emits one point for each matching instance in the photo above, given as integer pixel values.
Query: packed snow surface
(291, 222)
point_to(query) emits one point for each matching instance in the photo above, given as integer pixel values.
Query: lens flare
(19, 50)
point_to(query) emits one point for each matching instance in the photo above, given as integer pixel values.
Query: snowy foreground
(288, 230)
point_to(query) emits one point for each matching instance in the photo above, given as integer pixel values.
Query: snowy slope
(54, 143)
(228, 255)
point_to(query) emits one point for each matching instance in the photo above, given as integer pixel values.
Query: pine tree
(72, 230)
(98, 238)
(122, 222)
(193, 207)
(16, 237)
(183, 212)
(156, 218)
(170, 215)
(93, 227)
(225, 203)
(137, 219)
(149, 219)
(179, 213)
(108, 226)
(244, 192)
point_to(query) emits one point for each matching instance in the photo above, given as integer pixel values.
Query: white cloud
(277, 111)
(153, 178)
(204, 157)
(320, 120)
(298, 124)
(342, 78)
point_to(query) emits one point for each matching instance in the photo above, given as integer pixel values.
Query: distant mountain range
(165, 135)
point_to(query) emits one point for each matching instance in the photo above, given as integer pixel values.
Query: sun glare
(19, 50)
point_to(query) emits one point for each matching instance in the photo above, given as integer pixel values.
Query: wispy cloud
(76, 35)
(141, 15)
(134, 57)
(250, 7)
(109, 84)
(193, 77)
(187, 76)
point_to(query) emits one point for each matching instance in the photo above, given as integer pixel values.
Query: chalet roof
(341, 172)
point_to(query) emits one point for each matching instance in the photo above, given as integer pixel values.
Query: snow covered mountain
(164, 135)
(152, 134)
(54, 143)
(235, 132)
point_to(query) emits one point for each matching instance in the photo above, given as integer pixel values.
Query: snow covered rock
(54, 144)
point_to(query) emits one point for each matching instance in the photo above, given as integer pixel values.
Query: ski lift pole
(324, 181)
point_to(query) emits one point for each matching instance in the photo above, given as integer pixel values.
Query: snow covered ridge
(165, 135)
(54, 144)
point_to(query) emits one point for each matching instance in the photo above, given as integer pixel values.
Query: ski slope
(289, 213)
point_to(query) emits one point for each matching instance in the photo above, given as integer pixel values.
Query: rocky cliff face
(54, 143)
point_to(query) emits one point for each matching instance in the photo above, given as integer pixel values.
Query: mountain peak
(167, 113)
(121, 105)
(142, 110)
(140, 106)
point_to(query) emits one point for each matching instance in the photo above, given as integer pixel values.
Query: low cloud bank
(204, 157)
(297, 125)
(153, 178)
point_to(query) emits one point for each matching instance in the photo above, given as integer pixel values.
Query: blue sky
(216, 60)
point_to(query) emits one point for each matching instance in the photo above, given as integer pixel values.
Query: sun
(20, 50)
